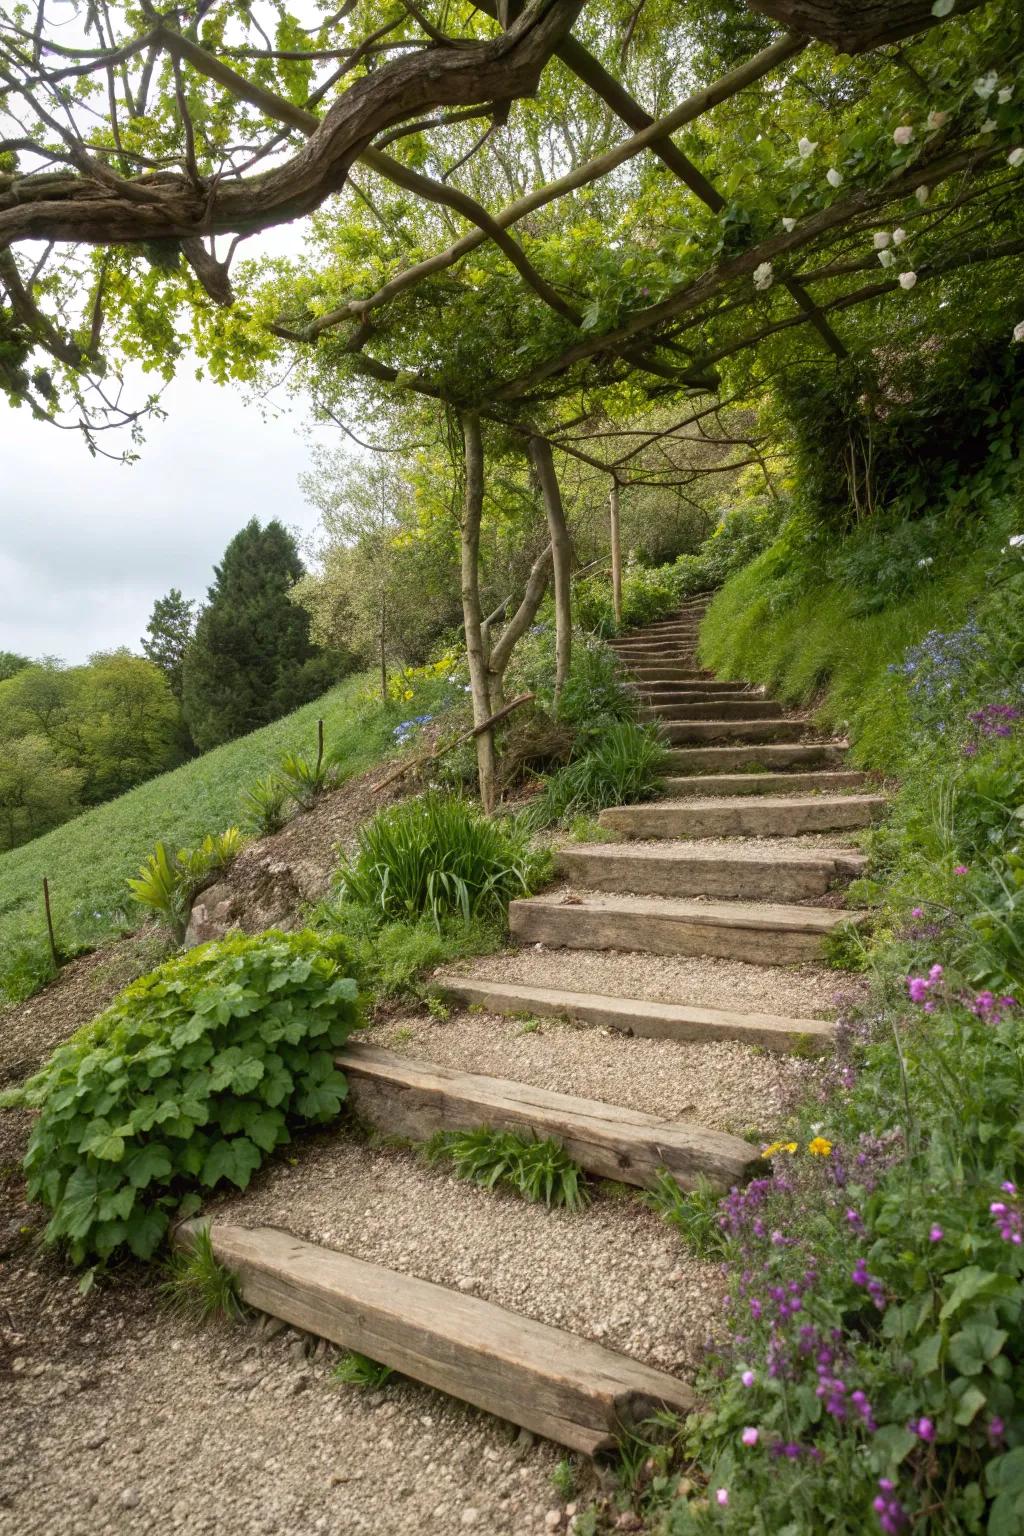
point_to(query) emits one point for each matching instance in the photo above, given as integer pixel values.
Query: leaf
(973, 1281)
(893, 1442)
(145, 1229)
(235, 1160)
(1005, 1474)
(103, 1142)
(972, 1348)
(970, 1404)
(118, 1204)
(148, 1163)
(942, 8)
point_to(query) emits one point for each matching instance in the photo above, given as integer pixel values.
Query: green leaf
(235, 1160)
(972, 1348)
(969, 1406)
(103, 1142)
(118, 1204)
(926, 1355)
(972, 1282)
(1005, 1474)
(148, 1163)
(893, 1443)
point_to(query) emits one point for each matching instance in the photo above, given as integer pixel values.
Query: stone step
(544, 1379)
(638, 1016)
(415, 1099)
(646, 642)
(770, 755)
(762, 783)
(762, 934)
(654, 702)
(762, 816)
(780, 730)
(714, 709)
(725, 870)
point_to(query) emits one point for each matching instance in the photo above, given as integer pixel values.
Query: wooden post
(561, 552)
(319, 746)
(49, 926)
(616, 543)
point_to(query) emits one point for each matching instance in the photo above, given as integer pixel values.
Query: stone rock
(131, 1498)
(214, 914)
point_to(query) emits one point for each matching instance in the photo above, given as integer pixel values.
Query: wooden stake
(319, 745)
(613, 533)
(49, 925)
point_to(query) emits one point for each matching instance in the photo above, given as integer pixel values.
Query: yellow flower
(819, 1147)
(778, 1146)
(407, 694)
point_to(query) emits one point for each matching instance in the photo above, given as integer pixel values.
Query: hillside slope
(89, 859)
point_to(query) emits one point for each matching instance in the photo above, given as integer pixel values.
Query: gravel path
(722, 1084)
(794, 991)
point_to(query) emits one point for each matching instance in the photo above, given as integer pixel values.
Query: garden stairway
(741, 859)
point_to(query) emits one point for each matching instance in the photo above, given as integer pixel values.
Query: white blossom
(881, 238)
(989, 125)
(928, 560)
(937, 119)
(763, 276)
(986, 84)
(1016, 540)
(1018, 331)
(903, 135)
(834, 177)
(1005, 95)
(886, 258)
(789, 225)
(1016, 157)
(922, 193)
(908, 279)
(806, 147)
(898, 236)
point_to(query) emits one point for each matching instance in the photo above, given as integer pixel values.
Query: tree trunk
(383, 653)
(518, 624)
(853, 26)
(616, 543)
(472, 512)
(561, 553)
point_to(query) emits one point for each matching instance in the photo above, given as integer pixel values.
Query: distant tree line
(72, 737)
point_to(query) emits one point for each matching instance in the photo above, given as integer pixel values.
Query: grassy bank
(89, 859)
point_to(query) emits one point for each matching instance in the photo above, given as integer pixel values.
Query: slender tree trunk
(616, 543)
(472, 512)
(518, 624)
(561, 554)
(383, 650)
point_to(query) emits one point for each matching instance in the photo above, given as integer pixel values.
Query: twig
(429, 757)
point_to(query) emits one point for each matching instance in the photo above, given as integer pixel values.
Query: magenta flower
(722, 1496)
(936, 1234)
(750, 1435)
(747, 1378)
(923, 1428)
(960, 869)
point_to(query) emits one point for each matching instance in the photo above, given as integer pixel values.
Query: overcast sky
(86, 545)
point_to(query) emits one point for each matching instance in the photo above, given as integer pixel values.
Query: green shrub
(190, 1078)
(438, 856)
(623, 767)
(694, 1214)
(595, 692)
(537, 1170)
(391, 957)
(168, 884)
(647, 594)
(304, 782)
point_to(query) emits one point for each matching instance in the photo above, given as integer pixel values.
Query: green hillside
(88, 860)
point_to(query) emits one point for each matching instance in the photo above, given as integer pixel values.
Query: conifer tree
(251, 658)
(170, 630)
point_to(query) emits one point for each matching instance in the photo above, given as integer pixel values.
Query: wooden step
(638, 1016)
(541, 1378)
(680, 731)
(761, 816)
(795, 783)
(412, 1098)
(670, 638)
(735, 874)
(769, 755)
(698, 695)
(762, 934)
(665, 674)
(702, 682)
(715, 709)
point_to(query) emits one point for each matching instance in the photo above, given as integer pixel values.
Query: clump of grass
(587, 829)
(563, 1479)
(395, 959)
(356, 1370)
(437, 856)
(265, 805)
(538, 1170)
(693, 1213)
(845, 949)
(197, 1286)
(624, 766)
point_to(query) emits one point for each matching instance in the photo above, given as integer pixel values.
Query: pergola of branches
(171, 131)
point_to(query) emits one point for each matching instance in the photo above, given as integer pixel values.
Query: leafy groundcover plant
(191, 1078)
